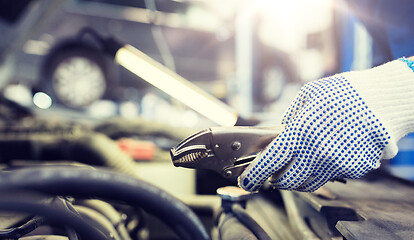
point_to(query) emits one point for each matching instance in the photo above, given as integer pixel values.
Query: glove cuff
(388, 90)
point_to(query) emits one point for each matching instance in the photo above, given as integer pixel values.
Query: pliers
(226, 150)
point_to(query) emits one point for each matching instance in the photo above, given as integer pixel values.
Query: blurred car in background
(73, 70)
(42, 49)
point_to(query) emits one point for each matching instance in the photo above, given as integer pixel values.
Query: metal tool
(226, 150)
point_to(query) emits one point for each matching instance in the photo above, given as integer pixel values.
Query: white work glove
(338, 127)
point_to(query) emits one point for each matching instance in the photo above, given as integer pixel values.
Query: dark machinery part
(54, 211)
(378, 206)
(33, 142)
(106, 212)
(226, 150)
(81, 182)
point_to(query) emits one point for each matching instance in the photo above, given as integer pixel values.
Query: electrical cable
(230, 228)
(71, 234)
(87, 30)
(249, 222)
(22, 230)
(37, 221)
(56, 215)
(109, 185)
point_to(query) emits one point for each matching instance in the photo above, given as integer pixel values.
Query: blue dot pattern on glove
(330, 134)
(409, 62)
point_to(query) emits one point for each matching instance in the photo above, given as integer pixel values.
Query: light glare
(42, 100)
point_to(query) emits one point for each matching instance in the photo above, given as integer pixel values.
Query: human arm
(338, 127)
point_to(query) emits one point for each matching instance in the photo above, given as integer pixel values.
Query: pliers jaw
(226, 150)
(192, 151)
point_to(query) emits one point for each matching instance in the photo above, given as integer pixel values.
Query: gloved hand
(337, 127)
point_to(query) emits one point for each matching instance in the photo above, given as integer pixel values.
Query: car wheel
(76, 77)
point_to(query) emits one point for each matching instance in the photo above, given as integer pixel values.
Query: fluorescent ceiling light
(176, 86)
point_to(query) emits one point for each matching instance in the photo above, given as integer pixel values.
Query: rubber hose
(109, 185)
(89, 148)
(101, 149)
